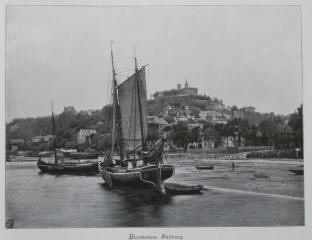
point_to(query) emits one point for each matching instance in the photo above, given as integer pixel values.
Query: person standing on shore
(233, 166)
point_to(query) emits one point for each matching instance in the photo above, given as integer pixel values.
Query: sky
(245, 55)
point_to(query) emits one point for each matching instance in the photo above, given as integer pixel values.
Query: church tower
(186, 84)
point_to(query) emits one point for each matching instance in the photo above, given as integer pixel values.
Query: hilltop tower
(186, 84)
(187, 90)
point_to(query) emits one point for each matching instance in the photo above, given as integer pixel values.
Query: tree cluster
(274, 131)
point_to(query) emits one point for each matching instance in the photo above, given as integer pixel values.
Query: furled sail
(133, 110)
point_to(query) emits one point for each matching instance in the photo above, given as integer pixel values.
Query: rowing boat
(204, 167)
(177, 188)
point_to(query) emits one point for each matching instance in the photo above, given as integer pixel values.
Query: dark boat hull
(82, 155)
(297, 171)
(144, 176)
(210, 167)
(74, 168)
(175, 188)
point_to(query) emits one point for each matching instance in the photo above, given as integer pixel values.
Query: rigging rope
(135, 115)
(131, 117)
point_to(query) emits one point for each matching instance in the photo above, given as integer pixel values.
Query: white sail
(133, 110)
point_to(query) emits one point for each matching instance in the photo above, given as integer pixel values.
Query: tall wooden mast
(54, 134)
(116, 110)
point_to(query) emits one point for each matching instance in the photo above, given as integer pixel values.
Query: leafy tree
(296, 123)
(70, 144)
(234, 108)
(209, 133)
(193, 135)
(152, 132)
(179, 135)
(251, 136)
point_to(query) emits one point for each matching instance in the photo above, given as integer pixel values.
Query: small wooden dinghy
(204, 167)
(297, 171)
(177, 188)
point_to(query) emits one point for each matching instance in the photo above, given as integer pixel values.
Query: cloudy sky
(243, 55)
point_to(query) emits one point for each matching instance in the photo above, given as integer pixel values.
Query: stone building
(187, 90)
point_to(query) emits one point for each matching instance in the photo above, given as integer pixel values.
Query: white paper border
(221, 233)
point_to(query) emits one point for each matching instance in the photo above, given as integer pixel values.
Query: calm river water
(238, 198)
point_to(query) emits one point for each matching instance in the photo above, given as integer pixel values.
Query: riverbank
(229, 156)
(271, 176)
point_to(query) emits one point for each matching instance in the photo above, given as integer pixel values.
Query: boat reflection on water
(58, 174)
(137, 197)
(140, 206)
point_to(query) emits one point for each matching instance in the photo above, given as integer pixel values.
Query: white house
(83, 134)
(210, 115)
(162, 123)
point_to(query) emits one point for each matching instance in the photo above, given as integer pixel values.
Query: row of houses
(215, 116)
(209, 115)
(82, 136)
(202, 143)
(214, 113)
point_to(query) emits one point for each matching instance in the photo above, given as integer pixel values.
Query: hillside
(176, 106)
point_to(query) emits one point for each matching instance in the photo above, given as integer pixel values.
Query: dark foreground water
(256, 194)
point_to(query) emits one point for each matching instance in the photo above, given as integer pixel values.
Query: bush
(275, 154)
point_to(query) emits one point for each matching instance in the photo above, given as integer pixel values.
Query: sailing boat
(138, 164)
(56, 164)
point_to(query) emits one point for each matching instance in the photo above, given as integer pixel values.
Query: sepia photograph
(153, 116)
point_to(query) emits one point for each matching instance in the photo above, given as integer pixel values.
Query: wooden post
(159, 186)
